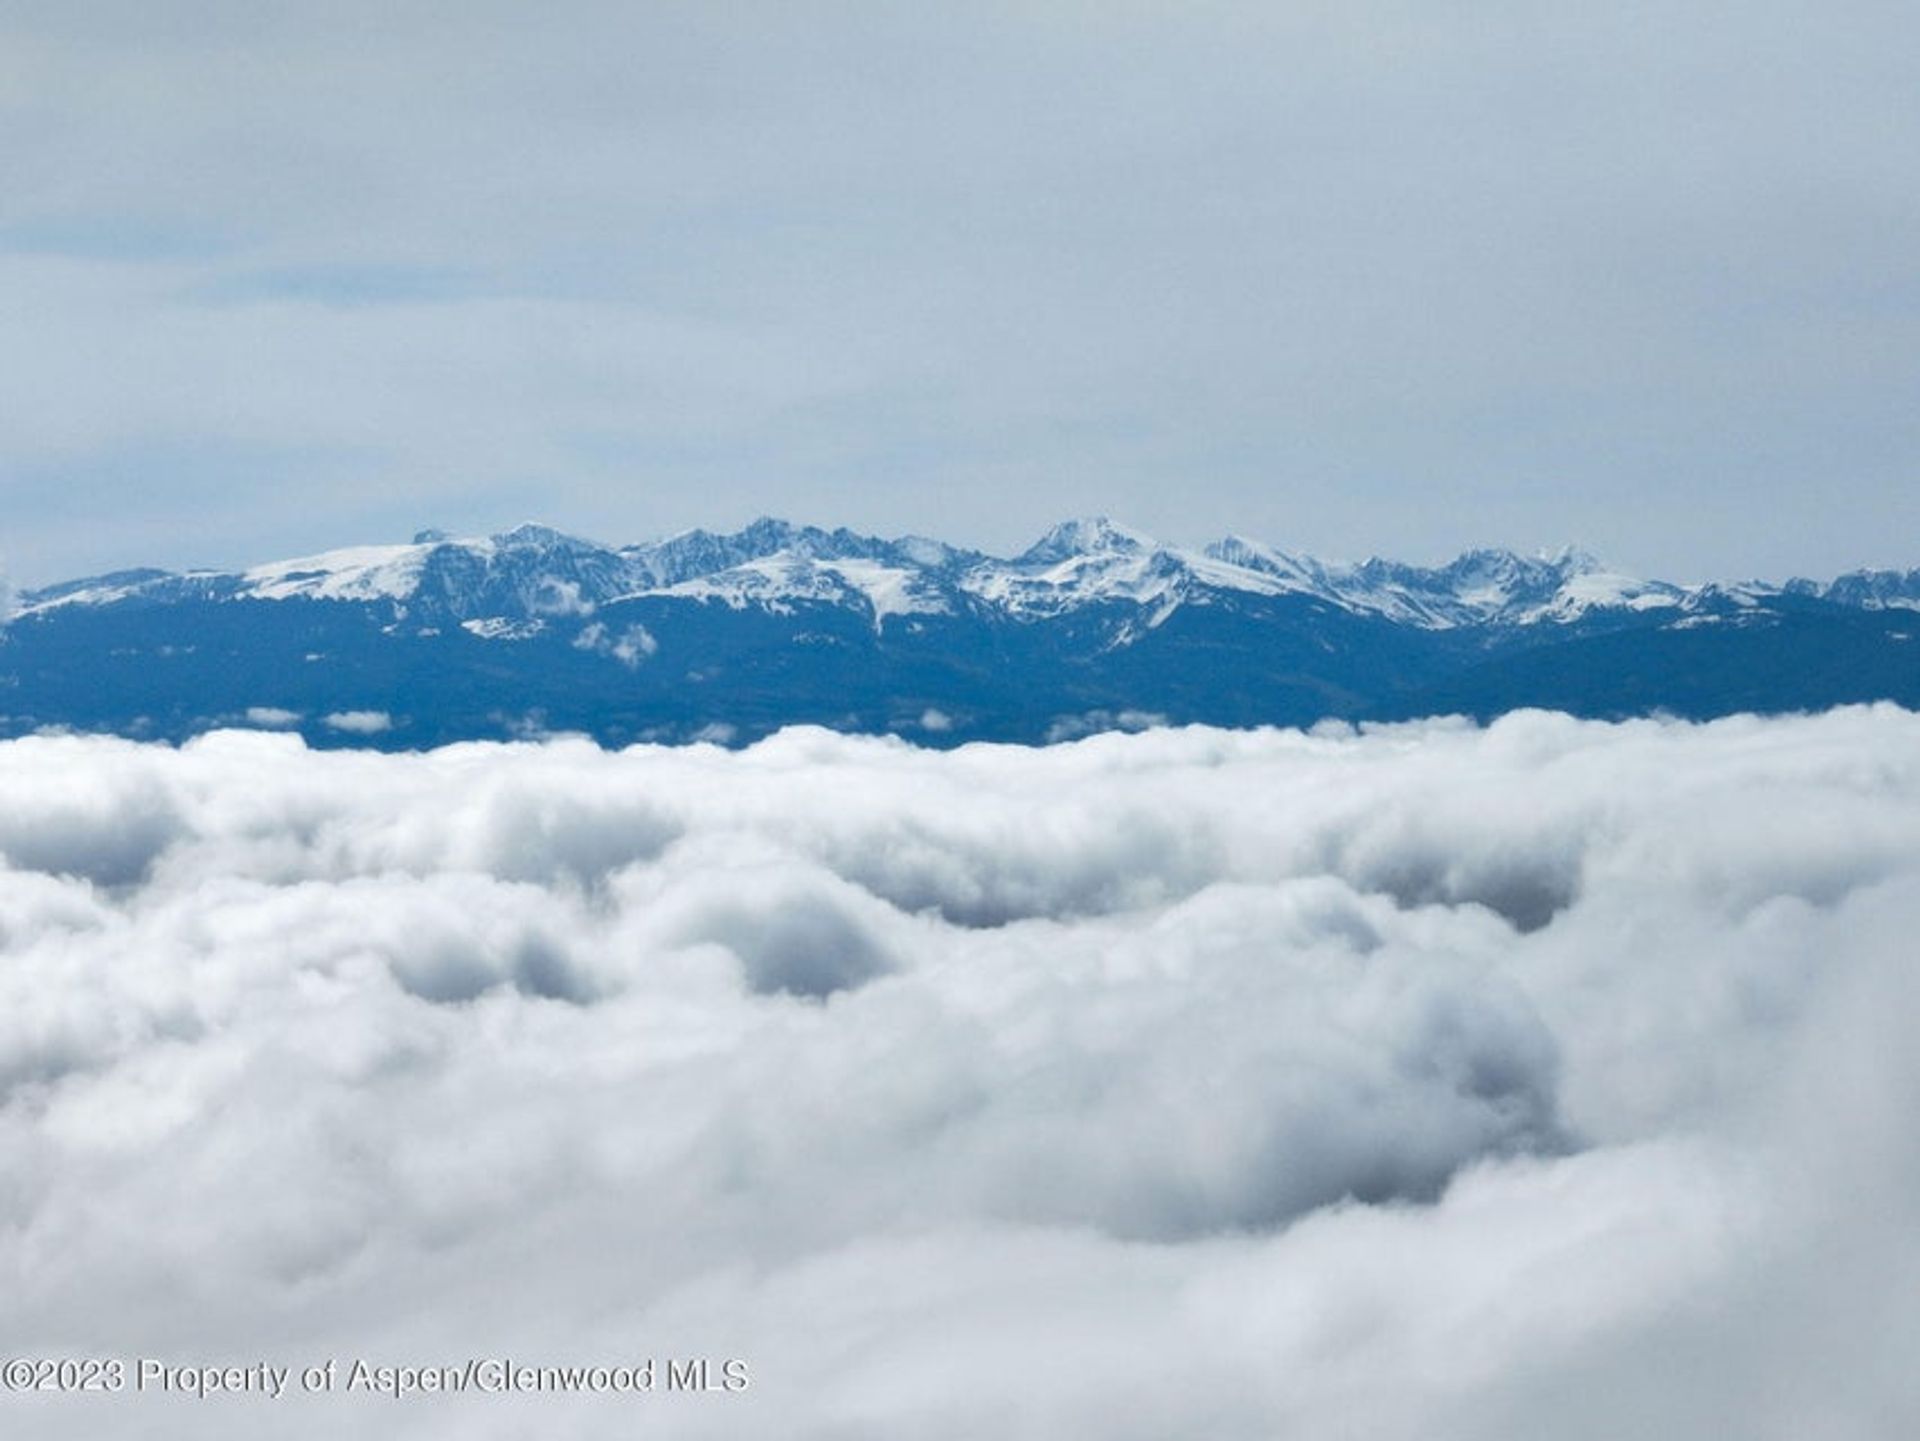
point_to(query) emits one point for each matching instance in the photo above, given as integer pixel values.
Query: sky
(1505, 1083)
(1352, 278)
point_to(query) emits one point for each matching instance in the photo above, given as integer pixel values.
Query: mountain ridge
(706, 634)
(1077, 561)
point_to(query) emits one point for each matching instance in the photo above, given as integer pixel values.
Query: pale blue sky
(1358, 277)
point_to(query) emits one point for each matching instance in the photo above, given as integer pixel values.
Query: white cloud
(634, 644)
(1066, 728)
(1419, 1081)
(561, 597)
(271, 716)
(359, 722)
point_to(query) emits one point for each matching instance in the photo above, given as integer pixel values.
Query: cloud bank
(1544, 1079)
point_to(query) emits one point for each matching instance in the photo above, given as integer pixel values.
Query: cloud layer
(1427, 1080)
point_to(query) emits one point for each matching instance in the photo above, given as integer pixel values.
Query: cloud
(1397, 1082)
(271, 717)
(1066, 728)
(634, 643)
(359, 722)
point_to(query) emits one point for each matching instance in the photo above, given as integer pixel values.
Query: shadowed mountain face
(1094, 627)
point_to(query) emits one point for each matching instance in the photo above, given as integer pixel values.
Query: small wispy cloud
(358, 722)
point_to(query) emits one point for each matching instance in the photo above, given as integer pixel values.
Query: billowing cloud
(1423, 1080)
(632, 645)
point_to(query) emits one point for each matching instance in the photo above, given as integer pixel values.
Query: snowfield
(1552, 1079)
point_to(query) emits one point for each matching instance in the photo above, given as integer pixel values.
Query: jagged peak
(1494, 558)
(532, 535)
(768, 527)
(1085, 535)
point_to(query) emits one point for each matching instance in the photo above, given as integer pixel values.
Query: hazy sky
(1353, 278)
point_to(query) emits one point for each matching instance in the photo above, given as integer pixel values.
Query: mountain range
(730, 636)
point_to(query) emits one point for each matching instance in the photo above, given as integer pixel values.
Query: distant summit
(1094, 535)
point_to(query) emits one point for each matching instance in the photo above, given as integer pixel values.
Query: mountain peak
(533, 536)
(768, 528)
(1087, 535)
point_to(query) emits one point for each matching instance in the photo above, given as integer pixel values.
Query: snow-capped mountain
(713, 633)
(1868, 589)
(533, 572)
